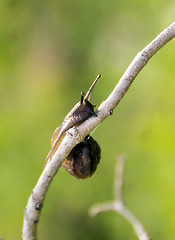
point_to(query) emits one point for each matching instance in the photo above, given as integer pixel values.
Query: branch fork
(118, 205)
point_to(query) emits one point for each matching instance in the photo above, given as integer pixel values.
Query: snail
(82, 161)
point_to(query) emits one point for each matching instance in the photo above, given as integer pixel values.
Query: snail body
(83, 158)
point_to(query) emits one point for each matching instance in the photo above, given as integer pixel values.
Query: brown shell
(83, 159)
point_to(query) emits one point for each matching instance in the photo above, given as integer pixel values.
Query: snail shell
(83, 159)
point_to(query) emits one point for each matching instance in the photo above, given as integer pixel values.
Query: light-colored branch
(118, 183)
(118, 204)
(75, 135)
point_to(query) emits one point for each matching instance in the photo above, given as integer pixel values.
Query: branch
(76, 135)
(118, 205)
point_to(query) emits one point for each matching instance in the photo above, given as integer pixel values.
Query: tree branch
(75, 135)
(118, 206)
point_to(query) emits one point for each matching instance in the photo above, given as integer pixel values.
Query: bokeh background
(50, 51)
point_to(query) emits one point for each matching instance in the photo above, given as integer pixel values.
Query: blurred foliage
(49, 52)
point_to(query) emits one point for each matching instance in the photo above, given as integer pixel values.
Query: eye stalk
(82, 98)
(88, 94)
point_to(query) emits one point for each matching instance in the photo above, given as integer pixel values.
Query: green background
(50, 51)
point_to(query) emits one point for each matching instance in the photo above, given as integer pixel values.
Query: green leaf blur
(50, 51)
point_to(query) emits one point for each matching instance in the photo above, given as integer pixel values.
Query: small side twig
(118, 205)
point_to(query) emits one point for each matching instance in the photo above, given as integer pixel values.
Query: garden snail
(85, 156)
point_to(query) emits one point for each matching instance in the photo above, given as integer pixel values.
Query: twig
(118, 183)
(118, 204)
(75, 135)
